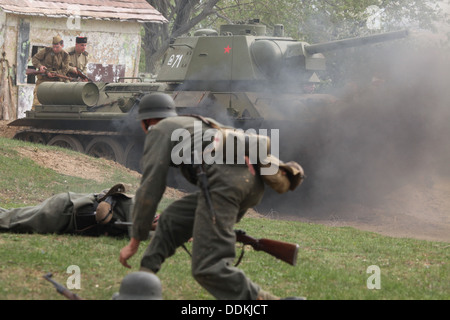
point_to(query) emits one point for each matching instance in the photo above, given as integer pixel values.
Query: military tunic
(233, 188)
(76, 60)
(55, 62)
(60, 214)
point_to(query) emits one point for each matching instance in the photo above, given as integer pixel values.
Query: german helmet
(156, 105)
(139, 285)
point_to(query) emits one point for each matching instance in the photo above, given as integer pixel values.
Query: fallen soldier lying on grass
(89, 214)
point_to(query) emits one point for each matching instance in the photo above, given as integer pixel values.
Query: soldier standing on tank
(234, 188)
(52, 59)
(78, 56)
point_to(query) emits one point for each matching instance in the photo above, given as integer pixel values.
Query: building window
(31, 79)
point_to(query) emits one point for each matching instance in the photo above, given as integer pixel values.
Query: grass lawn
(332, 264)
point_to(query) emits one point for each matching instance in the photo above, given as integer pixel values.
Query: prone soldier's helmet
(139, 285)
(156, 105)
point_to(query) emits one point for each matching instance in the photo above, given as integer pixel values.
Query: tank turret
(241, 57)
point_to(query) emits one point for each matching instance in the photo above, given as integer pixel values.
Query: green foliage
(317, 21)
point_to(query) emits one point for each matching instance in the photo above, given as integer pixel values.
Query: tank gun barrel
(353, 42)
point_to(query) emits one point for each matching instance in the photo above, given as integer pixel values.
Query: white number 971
(175, 60)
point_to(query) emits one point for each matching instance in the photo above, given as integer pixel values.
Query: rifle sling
(186, 249)
(240, 256)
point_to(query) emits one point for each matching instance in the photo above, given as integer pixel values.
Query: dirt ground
(421, 212)
(411, 211)
(6, 131)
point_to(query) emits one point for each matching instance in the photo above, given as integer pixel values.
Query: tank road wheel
(133, 156)
(67, 142)
(33, 137)
(104, 147)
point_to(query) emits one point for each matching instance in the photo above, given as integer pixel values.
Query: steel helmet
(139, 285)
(156, 105)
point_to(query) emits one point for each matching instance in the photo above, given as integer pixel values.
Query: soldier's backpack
(254, 149)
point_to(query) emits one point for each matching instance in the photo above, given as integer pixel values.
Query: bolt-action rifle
(61, 289)
(49, 74)
(284, 251)
(81, 75)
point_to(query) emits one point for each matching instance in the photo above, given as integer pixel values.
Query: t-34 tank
(240, 76)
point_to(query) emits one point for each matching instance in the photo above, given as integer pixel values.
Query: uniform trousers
(54, 215)
(233, 189)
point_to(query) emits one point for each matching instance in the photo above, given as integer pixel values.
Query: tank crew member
(53, 59)
(233, 190)
(78, 56)
(90, 214)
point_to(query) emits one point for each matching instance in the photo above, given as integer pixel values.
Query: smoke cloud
(388, 128)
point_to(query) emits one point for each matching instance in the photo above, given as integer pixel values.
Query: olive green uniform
(67, 213)
(233, 189)
(78, 60)
(55, 62)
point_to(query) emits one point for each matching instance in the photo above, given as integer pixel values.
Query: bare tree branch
(182, 16)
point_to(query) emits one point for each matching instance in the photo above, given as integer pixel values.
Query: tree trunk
(157, 37)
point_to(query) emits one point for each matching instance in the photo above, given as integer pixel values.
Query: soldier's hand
(42, 68)
(128, 251)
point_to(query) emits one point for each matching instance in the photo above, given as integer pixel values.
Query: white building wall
(111, 45)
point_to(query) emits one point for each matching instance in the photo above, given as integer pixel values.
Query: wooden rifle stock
(33, 72)
(61, 289)
(284, 251)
